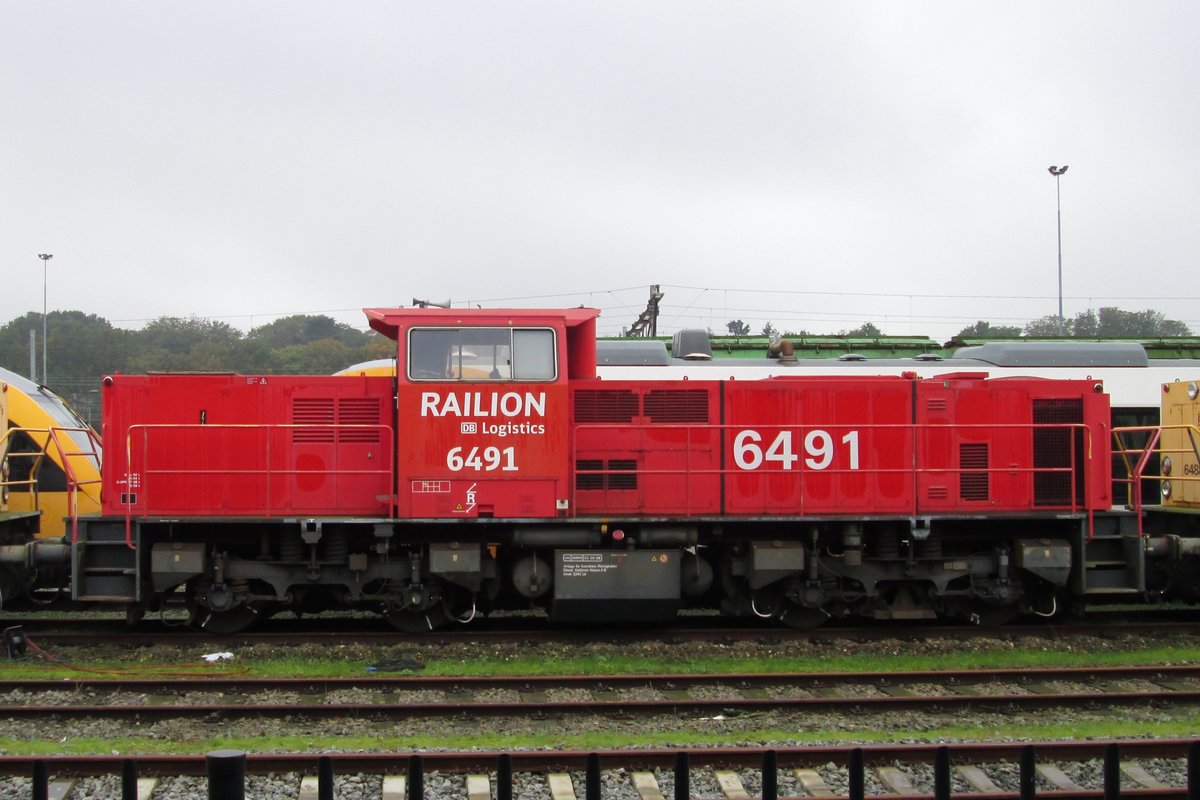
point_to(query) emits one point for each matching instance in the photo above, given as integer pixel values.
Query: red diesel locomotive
(495, 470)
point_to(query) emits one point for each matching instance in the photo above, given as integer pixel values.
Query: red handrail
(386, 436)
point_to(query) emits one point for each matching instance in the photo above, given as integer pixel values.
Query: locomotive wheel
(411, 620)
(986, 615)
(455, 605)
(803, 618)
(224, 623)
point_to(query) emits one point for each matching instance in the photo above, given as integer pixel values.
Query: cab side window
(482, 354)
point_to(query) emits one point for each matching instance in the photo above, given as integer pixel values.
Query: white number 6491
(819, 450)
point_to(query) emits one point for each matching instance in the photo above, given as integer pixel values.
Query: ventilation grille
(623, 480)
(605, 406)
(936, 405)
(313, 411)
(359, 411)
(688, 405)
(326, 411)
(597, 480)
(973, 476)
(1058, 448)
(658, 405)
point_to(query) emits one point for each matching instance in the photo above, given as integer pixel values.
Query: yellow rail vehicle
(1180, 445)
(51, 457)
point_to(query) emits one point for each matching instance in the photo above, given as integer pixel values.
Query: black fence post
(1112, 772)
(325, 778)
(591, 785)
(129, 776)
(226, 774)
(941, 774)
(683, 777)
(416, 778)
(41, 780)
(1028, 773)
(770, 776)
(1193, 769)
(858, 778)
(504, 777)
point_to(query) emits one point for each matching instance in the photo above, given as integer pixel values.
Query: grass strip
(609, 664)
(771, 737)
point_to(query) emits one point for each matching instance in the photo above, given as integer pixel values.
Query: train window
(535, 355)
(481, 354)
(22, 454)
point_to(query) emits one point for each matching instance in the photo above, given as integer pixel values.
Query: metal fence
(226, 775)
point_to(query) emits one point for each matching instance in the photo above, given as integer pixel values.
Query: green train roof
(902, 346)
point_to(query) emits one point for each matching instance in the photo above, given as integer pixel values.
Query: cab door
(482, 421)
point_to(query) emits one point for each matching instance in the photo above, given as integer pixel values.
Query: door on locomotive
(482, 399)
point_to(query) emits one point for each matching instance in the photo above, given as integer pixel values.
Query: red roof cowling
(388, 321)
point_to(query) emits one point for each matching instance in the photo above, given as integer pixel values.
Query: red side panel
(206, 445)
(647, 448)
(819, 446)
(1012, 444)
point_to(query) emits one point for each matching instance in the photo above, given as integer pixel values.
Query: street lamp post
(1057, 172)
(45, 257)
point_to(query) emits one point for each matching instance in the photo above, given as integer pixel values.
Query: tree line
(84, 347)
(1107, 323)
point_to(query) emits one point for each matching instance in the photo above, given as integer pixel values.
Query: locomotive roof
(388, 321)
(1000, 354)
(1058, 354)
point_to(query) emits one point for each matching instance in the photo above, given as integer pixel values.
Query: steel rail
(117, 633)
(620, 709)
(663, 681)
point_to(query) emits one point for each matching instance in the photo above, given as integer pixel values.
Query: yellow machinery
(3, 447)
(1179, 446)
(51, 457)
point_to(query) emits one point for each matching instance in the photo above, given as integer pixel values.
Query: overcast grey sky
(812, 164)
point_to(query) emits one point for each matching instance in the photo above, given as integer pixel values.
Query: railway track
(1141, 769)
(89, 631)
(617, 697)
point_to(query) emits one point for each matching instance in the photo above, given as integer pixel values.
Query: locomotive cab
(483, 404)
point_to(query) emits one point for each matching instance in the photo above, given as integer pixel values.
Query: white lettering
(510, 404)
(475, 404)
(819, 449)
(429, 404)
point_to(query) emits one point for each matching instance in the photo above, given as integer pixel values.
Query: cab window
(482, 354)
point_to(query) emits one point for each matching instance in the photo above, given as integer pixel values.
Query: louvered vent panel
(589, 480)
(938, 493)
(612, 405)
(936, 405)
(313, 411)
(613, 475)
(622, 480)
(973, 485)
(677, 405)
(359, 411)
(1057, 448)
